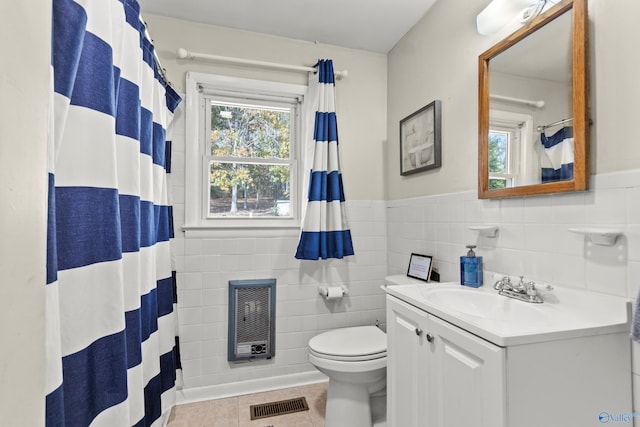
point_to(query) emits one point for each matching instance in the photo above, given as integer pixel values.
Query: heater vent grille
(251, 319)
(252, 308)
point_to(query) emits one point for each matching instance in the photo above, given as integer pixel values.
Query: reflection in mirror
(530, 87)
(529, 95)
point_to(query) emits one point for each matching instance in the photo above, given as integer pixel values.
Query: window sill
(257, 230)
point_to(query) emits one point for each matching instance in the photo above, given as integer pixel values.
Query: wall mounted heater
(252, 324)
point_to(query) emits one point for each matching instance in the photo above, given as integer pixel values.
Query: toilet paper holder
(331, 292)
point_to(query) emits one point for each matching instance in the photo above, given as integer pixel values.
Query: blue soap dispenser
(471, 269)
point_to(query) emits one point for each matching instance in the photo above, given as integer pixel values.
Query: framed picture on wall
(420, 267)
(420, 136)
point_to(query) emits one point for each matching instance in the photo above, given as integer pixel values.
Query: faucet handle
(532, 293)
(530, 288)
(499, 285)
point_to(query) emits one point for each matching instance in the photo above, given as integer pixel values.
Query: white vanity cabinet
(440, 375)
(407, 358)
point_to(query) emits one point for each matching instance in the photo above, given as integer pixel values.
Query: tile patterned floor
(234, 411)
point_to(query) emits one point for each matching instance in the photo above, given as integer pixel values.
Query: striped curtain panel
(325, 230)
(110, 297)
(557, 158)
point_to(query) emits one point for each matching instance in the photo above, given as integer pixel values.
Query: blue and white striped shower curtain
(557, 158)
(110, 297)
(325, 230)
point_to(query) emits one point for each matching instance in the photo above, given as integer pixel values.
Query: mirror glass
(533, 101)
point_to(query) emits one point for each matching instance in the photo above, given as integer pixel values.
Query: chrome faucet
(503, 283)
(523, 291)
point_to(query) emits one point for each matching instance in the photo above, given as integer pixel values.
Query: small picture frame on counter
(420, 267)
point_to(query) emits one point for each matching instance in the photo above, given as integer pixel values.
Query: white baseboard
(199, 394)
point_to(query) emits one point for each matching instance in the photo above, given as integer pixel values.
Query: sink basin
(484, 305)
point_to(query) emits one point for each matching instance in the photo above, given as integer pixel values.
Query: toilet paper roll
(334, 292)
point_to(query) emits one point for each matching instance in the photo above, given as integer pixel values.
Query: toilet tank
(401, 279)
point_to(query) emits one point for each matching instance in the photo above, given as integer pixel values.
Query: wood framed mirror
(533, 122)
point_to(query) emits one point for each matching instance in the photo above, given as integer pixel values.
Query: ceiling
(373, 25)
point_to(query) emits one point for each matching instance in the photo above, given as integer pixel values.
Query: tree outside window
(250, 166)
(498, 159)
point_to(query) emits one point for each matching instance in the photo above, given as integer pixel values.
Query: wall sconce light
(500, 12)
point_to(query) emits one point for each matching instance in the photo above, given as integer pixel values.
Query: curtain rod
(187, 54)
(537, 104)
(559, 122)
(161, 69)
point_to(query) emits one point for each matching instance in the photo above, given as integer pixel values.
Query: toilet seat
(355, 360)
(353, 344)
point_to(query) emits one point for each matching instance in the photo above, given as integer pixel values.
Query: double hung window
(244, 157)
(248, 158)
(512, 154)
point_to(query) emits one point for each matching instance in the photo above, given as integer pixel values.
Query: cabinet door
(406, 365)
(466, 378)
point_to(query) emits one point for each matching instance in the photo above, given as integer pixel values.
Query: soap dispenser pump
(471, 269)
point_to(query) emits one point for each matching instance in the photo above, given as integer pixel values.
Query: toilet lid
(351, 342)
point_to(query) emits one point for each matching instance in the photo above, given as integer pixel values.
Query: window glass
(250, 161)
(498, 159)
(249, 190)
(246, 131)
(498, 148)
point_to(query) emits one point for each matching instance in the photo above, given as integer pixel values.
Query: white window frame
(198, 87)
(520, 126)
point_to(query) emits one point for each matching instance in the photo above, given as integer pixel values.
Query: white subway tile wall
(301, 312)
(533, 239)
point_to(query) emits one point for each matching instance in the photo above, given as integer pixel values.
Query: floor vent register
(282, 407)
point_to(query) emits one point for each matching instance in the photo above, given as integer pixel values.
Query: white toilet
(355, 360)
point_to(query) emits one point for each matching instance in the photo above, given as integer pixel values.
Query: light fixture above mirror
(499, 13)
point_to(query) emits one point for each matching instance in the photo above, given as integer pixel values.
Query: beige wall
(437, 59)
(24, 84)
(361, 97)
(615, 90)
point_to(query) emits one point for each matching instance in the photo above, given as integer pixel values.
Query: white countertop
(565, 313)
